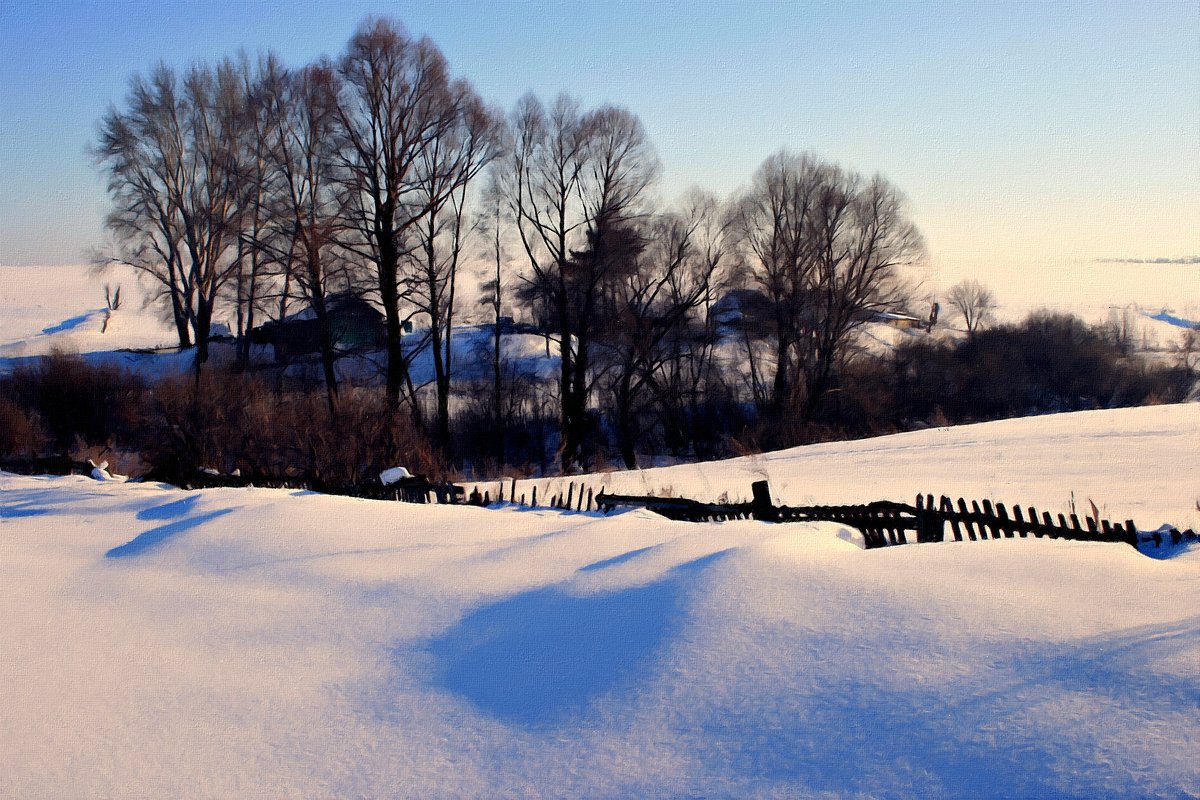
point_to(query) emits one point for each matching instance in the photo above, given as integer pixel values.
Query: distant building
(356, 324)
(743, 309)
(896, 319)
(750, 310)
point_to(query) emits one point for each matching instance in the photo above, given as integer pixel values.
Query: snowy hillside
(46, 307)
(43, 308)
(266, 643)
(1137, 463)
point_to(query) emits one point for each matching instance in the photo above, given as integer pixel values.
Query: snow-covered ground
(268, 643)
(64, 306)
(1133, 463)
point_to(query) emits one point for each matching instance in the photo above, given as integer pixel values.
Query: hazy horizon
(1035, 144)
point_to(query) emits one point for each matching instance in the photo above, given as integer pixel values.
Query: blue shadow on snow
(539, 657)
(24, 510)
(68, 324)
(1171, 319)
(156, 536)
(171, 510)
(611, 562)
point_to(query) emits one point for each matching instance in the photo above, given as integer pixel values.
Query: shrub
(76, 401)
(235, 421)
(1048, 363)
(21, 434)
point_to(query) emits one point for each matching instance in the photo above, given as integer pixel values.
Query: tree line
(248, 189)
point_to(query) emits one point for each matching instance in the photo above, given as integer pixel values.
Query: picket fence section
(886, 523)
(882, 523)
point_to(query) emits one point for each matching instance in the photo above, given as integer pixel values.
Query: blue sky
(1022, 133)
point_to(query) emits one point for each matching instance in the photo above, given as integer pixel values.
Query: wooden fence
(570, 499)
(885, 523)
(882, 523)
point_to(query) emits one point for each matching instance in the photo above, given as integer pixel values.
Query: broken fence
(885, 523)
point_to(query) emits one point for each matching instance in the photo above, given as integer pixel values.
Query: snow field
(266, 643)
(272, 643)
(1134, 463)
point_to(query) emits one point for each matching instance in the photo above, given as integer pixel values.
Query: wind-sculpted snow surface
(267, 643)
(1133, 463)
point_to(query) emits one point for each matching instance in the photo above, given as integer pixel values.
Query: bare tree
(690, 372)
(444, 172)
(208, 194)
(394, 105)
(172, 160)
(540, 182)
(972, 301)
(773, 223)
(140, 149)
(571, 181)
(492, 292)
(827, 248)
(669, 274)
(306, 201)
(863, 241)
(253, 214)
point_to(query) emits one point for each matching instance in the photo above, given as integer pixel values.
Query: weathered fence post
(570, 495)
(1020, 522)
(1131, 533)
(989, 518)
(930, 525)
(948, 511)
(761, 505)
(1005, 524)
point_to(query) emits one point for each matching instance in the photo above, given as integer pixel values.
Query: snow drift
(255, 642)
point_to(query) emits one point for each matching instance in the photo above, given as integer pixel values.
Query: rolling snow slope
(266, 643)
(1134, 463)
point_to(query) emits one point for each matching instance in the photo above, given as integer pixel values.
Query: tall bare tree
(396, 102)
(208, 196)
(140, 148)
(863, 241)
(827, 248)
(307, 203)
(540, 182)
(173, 161)
(572, 180)
(773, 222)
(444, 172)
(253, 215)
(649, 306)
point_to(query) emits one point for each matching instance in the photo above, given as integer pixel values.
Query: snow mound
(257, 642)
(393, 475)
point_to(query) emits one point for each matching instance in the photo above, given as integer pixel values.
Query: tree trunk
(627, 433)
(782, 384)
(325, 342)
(390, 297)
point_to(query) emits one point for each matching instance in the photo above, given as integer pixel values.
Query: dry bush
(236, 421)
(1048, 363)
(21, 433)
(76, 402)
